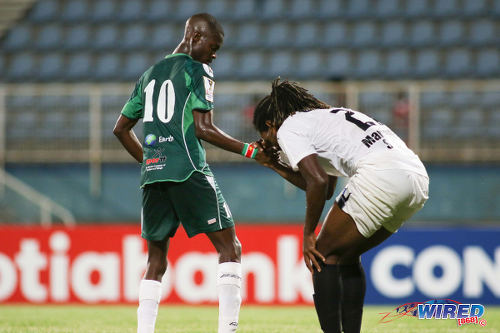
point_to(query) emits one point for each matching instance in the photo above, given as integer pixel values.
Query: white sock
(229, 292)
(149, 298)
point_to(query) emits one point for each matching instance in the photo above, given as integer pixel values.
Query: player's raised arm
(207, 131)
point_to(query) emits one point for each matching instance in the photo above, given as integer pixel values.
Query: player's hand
(263, 157)
(312, 256)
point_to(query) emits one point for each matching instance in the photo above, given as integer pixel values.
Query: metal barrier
(453, 121)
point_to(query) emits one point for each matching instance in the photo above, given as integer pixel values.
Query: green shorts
(197, 203)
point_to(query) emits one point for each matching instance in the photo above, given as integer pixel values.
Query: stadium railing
(452, 121)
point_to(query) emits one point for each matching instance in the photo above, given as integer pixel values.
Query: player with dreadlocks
(387, 184)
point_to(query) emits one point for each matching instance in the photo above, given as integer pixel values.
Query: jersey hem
(202, 171)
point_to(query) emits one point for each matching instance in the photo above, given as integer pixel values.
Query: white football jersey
(344, 141)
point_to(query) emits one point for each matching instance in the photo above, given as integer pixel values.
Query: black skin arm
(316, 195)
(206, 130)
(123, 131)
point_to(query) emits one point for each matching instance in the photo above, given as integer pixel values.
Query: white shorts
(376, 198)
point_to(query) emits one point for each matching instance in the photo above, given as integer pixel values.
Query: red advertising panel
(104, 264)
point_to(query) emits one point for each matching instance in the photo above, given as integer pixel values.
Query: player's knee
(332, 259)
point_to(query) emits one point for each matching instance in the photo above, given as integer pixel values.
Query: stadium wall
(467, 194)
(104, 264)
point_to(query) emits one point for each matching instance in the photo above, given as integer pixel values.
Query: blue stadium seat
(134, 36)
(243, 9)
(107, 66)
(273, 9)
(490, 100)
(3, 65)
(438, 124)
(251, 65)
(187, 8)
(397, 64)
(335, 34)
(445, 8)
(330, 9)
(463, 99)
(387, 8)
(310, 65)
(418, 8)
(135, 64)
(369, 64)
(451, 32)
(458, 62)
(394, 33)
(219, 8)
(301, 9)
(433, 99)
(104, 10)
(493, 126)
(306, 35)
(158, 10)
(249, 35)
(230, 35)
(106, 37)
(278, 35)
(79, 67)
(130, 10)
(164, 36)
(422, 33)
(225, 65)
(475, 8)
(374, 99)
(18, 37)
(488, 63)
(427, 63)
(22, 119)
(49, 37)
(496, 8)
(364, 34)
(470, 124)
(483, 32)
(281, 63)
(51, 67)
(77, 37)
(21, 66)
(359, 8)
(339, 63)
(44, 11)
(75, 11)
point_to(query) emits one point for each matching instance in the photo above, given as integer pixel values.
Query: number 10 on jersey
(166, 101)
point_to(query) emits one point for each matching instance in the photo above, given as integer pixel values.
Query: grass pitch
(203, 319)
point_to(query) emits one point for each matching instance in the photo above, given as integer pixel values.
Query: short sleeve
(295, 145)
(203, 86)
(134, 107)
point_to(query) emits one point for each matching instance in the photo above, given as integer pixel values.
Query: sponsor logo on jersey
(156, 162)
(150, 140)
(209, 89)
(209, 70)
(165, 139)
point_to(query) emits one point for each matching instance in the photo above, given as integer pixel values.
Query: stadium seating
(426, 36)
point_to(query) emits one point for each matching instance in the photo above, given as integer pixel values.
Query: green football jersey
(165, 97)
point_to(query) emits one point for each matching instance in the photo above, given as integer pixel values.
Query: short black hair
(285, 99)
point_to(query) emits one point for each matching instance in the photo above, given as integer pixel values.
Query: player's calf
(229, 293)
(327, 298)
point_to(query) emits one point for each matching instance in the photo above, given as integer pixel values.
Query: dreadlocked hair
(285, 99)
